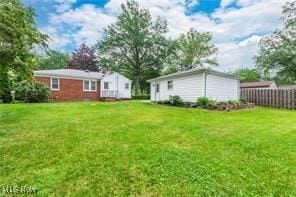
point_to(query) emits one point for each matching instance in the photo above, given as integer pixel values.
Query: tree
(53, 60)
(18, 37)
(193, 50)
(135, 45)
(246, 74)
(84, 58)
(277, 53)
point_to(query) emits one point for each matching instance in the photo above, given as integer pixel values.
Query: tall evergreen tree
(84, 58)
(135, 45)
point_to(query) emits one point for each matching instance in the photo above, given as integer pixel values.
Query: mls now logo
(23, 189)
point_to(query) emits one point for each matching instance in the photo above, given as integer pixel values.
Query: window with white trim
(170, 85)
(89, 86)
(106, 85)
(55, 84)
(127, 86)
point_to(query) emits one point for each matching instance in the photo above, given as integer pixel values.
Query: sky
(237, 25)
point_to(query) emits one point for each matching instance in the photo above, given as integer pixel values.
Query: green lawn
(134, 148)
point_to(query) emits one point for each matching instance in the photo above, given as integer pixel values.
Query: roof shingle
(258, 84)
(81, 74)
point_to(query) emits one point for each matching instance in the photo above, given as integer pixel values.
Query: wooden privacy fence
(270, 97)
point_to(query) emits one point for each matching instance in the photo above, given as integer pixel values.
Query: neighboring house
(74, 85)
(288, 87)
(259, 85)
(116, 85)
(191, 84)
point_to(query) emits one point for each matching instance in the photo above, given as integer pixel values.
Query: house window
(55, 84)
(106, 85)
(127, 86)
(89, 86)
(157, 87)
(170, 85)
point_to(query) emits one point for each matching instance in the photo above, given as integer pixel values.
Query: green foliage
(84, 58)
(135, 45)
(18, 37)
(233, 102)
(175, 100)
(6, 97)
(141, 97)
(246, 74)
(53, 60)
(204, 101)
(32, 92)
(194, 105)
(277, 54)
(193, 50)
(243, 100)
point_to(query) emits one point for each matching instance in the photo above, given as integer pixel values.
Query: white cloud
(236, 31)
(84, 24)
(63, 5)
(57, 40)
(234, 55)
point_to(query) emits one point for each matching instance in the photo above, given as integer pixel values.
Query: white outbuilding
(115, 85)
(194, 83)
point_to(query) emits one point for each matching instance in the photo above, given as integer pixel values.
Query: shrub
(187, 103)
(141, 97)
(243, 100)
(33, 92)
(166, 102)
(231, 102)
(204, 101)
(194, 105)
(175, 100)
(6, 97)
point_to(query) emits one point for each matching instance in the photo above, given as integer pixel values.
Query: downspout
(117, 95)
(154, 85)
(205, 85)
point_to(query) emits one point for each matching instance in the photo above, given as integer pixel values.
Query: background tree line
(136, 46)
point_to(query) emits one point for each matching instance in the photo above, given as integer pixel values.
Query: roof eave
(65, 76)
(203, 70)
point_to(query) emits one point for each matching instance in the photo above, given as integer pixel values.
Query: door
(157, 93)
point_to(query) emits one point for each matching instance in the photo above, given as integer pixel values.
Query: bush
(33, 92)
(204, 101)
(187, 103)
(231, 102)
(194, 105)
(6, 97)
(141, 97)
(175, 100)
(166, 102)
(243, 100)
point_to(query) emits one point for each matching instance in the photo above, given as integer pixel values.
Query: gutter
(191, 72)
(205, 85)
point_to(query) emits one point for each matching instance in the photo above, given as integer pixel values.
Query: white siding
(117, 83)
(222, 88)
(189, 88)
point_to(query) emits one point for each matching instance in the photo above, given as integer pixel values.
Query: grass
(134, 148)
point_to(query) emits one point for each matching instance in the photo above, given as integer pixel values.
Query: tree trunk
(137, 85)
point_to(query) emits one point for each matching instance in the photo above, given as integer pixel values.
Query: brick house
(77, 85)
